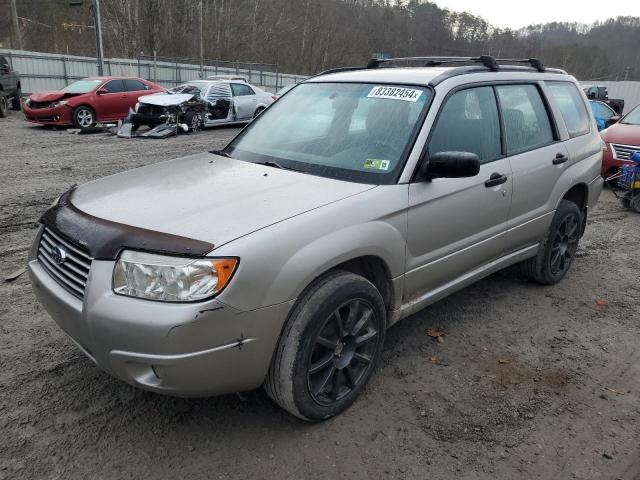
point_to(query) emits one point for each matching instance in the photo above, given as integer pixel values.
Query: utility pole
(16, 25)
(201, 46)
(98, 24)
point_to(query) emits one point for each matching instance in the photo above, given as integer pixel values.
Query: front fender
(278, 262)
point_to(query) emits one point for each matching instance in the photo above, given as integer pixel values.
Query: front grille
(67, 263)
(624, 152)
(36, 105)
(150, 111)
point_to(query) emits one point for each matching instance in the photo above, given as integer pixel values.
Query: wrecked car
(181, 107)
(88, 101)
(198, 104)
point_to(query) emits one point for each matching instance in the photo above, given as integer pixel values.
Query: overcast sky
(520, 13)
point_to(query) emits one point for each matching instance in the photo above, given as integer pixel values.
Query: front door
(245, 101)
(458, 224)
(114, 104)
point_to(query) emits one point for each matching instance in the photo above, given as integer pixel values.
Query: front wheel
(84, 118)
(328, 348)
(193, 120)
(558, 248)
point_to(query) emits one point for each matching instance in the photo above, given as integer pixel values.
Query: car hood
(622, 133)
(165, 99)
(208, 197)
(51, 96)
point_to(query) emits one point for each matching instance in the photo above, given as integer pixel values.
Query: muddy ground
(530, 381)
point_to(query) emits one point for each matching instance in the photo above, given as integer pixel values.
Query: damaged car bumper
(191, 349)
(58, 115)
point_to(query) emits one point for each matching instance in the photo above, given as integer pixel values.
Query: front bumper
(611, 164)
(194, 349)
(60, 115)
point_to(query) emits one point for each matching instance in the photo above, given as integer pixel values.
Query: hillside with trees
(306, 36)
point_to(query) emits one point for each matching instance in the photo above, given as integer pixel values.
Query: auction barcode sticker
(395, 93)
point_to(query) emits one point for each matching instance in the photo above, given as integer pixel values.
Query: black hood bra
(105, 239)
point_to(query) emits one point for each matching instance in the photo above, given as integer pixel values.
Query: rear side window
(114, 86)
(572, 107)
(468, 122)
(526, 121)
(240, 90)
(135, 85)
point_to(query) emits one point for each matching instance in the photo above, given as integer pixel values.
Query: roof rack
(486, 60)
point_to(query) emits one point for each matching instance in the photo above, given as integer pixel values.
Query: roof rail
(486, 60)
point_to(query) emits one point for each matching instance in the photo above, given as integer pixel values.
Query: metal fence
(628, 91)
(48, 71)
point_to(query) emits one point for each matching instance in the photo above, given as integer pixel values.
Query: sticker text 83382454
(395, 93)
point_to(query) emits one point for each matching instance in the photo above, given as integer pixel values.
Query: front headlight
(58, 104)
(170, 279)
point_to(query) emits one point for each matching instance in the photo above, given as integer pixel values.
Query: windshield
(354, 132)
(81, 86)
(633, 117)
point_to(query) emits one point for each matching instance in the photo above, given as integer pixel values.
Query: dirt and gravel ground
(530, 381)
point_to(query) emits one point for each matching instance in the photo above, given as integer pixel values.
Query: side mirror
(101, 91)
(451, 165)
(5, 68)
(612, 120)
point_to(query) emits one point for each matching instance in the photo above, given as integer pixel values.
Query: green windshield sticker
(376, 164)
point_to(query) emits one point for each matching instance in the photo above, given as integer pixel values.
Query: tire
(16, 100)
(258, 111)
(193, 120)
(3, 106)
(625, 202)
(84, 117)
(316, 372)
(634, 203)
(558, 248)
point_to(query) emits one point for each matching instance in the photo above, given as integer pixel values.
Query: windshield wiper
(221, 153)
(269, 163)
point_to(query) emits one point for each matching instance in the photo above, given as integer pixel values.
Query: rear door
(114, 104)
(538, 159)
(458, 224)
(245, 100)
(135, 89)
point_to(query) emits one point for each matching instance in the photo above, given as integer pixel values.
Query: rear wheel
(84, 117)
(17, 98)
(328, 348)
(558, 248)
(3, 105)
(634, 203)
(258, 111)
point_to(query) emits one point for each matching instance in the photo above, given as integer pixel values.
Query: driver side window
(468, 122)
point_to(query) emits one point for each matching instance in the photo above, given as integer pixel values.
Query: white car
(222, 102)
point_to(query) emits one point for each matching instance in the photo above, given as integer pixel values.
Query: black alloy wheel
(343, 351)
(565, 244)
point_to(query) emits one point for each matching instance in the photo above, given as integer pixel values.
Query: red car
(622, 139)
(87, 101)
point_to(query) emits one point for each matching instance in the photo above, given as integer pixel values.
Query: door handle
(560, 158)
(495, 179)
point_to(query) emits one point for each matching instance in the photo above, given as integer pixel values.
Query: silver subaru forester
(358, 198)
